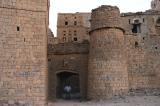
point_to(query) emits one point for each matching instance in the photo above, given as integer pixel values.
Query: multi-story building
(73, 27)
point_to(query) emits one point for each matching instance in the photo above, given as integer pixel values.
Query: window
(66, 23)
(158, 21)
(129, 21)
(75, 39)
(64, 33)
(143, 20)
(18, 29)
(136, 44)
(49, 59)
(136, 28)
(154, 5)
(75, 22)
(156, 47)
(75, 33)
(143, 38)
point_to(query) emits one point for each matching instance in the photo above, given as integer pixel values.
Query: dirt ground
(127, 101)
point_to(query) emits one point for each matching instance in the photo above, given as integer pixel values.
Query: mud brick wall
(23, 55)
(76, 57)
(67, 33)
(107, 74)
(143, 61)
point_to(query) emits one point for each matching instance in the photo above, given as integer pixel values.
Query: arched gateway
(65, 78)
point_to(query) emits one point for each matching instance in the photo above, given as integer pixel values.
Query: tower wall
(23, 55)
(155, 5)
(107, 74)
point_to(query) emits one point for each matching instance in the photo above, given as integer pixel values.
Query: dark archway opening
(67, 78)
(136, 28)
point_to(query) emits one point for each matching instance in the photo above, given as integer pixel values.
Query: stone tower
(155, 5)
(23, 54)
(107, 74)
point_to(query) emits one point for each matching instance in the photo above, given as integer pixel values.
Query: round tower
(107, 74)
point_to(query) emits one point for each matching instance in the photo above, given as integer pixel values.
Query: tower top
(105, 16)
(155, 5)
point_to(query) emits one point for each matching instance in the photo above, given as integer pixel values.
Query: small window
(154, 5)
(156, 47)
(136, 28)
(75, 39)
(129, 21)
(143, 20)
(136, 44)
(143, 38)
(64, 33)
(75, 22)
(18, 28)
(66, 23)
(158, 21)
(75, 33)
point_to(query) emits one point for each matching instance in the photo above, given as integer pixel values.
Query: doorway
(67, 78)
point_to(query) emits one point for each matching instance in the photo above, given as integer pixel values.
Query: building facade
(123, 54)
(155, 4)
(73, 27)
(116, 53)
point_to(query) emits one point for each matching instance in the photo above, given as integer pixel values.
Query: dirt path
(129, 101)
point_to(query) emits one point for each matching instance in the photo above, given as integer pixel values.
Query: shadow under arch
(67, 77)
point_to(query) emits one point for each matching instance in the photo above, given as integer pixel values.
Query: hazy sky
(72, 6)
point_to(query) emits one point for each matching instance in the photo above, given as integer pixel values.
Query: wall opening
(75, 39)
(136, 44)
(67, 79)
(156, 47)
(18, 28)
(75, 22)
(158, 26)
(66, 23)
(136, 28)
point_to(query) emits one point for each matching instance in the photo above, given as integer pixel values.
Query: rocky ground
(127, 101)
(138, 97)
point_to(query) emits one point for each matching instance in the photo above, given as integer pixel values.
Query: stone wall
(142, 61)
(147, 20)
(23, 59)
(107, 74)
(68, 57)
(73, 27)
(155, 4)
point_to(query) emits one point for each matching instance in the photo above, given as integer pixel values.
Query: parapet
(106, 16)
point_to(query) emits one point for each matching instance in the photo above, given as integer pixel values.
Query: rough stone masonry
(23, 54)
(124, 52)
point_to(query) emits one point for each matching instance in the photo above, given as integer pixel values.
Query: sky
(72, 6)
